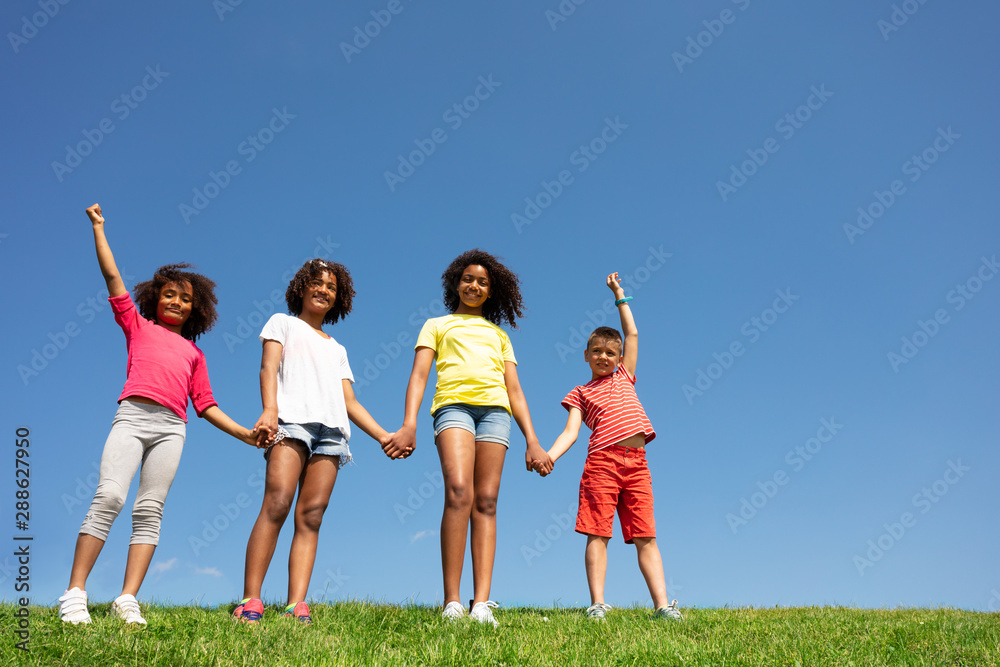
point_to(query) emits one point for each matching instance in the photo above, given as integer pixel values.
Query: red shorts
(616, 478)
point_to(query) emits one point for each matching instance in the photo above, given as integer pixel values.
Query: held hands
(94, 213)
(252, 437)
(616, 288)
(537, 459)
(400, 444)
(265, 429)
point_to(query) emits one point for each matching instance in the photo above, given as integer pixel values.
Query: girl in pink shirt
(164, 369)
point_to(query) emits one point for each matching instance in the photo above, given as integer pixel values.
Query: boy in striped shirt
(615, 475)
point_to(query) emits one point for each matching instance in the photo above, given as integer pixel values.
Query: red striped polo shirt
(611, 409)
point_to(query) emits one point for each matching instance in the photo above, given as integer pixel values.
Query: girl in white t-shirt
(305, 386)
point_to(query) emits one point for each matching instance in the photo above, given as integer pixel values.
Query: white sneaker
(597, 611)
(73, 607)
(481, 612)
(453, 611)
(126, 607)
(671, 611)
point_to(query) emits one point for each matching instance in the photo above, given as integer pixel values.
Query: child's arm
(270, 358)
(631, 352)
(403, 441)
(535, 457)
(220, 420)
(568, 436)
(116, 286)
(357, 414)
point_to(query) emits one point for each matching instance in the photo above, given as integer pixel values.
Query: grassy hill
(357, 633)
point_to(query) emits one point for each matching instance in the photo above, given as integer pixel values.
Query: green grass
(358, 633)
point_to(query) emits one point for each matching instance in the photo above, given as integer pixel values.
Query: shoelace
(290, 611)
(250, 615)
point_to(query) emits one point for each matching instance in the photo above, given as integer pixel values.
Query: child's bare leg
(88, 548)
(651, 567)
(139, 557)
(489, 466)
(316, 484)
(457, 451)
(284, 466)
(597, 566)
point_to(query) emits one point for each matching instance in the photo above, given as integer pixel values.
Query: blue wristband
(624, 299)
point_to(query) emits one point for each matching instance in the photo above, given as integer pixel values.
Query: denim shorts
(489, 423)
(318, 439)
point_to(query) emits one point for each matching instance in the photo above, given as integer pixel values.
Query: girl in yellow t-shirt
(477, 393)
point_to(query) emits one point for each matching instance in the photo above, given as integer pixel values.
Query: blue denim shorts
(318, 439)
(488, 423)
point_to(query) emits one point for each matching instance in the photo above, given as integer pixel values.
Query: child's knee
(276, 507)
(642, 543)
(311, 517)
(109, 497)
(486, 504)
(458, 496)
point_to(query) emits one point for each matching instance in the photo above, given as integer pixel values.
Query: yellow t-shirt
(470, 355)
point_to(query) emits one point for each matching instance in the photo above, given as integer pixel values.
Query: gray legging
(149, 434)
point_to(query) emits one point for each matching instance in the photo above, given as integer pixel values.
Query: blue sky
(798, 193)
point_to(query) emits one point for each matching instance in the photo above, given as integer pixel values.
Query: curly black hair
(504, 303)
(203, 314)
(606, 334)
(313, 268)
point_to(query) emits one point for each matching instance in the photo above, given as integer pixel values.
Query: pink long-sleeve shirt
(162, 365)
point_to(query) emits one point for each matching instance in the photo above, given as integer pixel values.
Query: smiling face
(473, 289)
(174, 305)
(319, 293)
(603, 355)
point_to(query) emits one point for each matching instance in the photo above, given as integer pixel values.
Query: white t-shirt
(310, 387)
